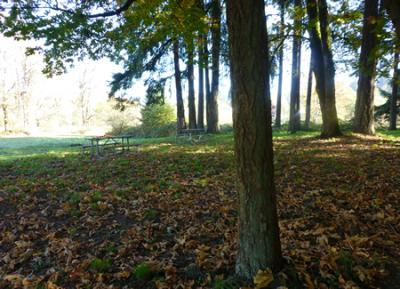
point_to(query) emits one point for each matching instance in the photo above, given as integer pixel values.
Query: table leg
(97, 147)
(91, 148)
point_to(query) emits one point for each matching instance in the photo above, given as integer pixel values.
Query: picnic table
(99, 144)
(193, 135)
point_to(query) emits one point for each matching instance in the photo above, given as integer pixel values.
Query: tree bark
(324, 66)
(395, 91)
(191, 97)
(207, 75)
(309, 93)
(294, 117)
(200, 48)
(200, 109)
(278, 117)
(364, 110)
(180, 109)
(5, 117)
(393, 9)
(259, 243)
(212, 102)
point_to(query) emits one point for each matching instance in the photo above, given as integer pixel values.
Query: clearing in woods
(166, 215)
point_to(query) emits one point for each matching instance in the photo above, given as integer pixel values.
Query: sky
(99, 73)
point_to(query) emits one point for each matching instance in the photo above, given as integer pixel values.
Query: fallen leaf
(263, 278)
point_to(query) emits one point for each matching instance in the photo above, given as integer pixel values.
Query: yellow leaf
(14, 278)
(263, 278)
(309, 282)
(122, 275)
(51, 285)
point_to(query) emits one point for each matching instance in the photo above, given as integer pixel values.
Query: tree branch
(118, 11)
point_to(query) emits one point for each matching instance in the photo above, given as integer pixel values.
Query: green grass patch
(100, 265)
(143, 271)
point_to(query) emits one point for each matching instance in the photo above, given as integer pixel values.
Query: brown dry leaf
(14, 279)
(263, 278)
(30, 282)
(51, 285)
(122, 275)
(309, 282)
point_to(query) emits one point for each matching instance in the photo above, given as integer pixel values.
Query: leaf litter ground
(165, 216)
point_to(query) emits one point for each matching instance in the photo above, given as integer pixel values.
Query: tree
(202, 39)
(6, 90)
(200, 97)
(320, 44)
(143, 35)
(308, 97)
(393, 8)
(280, 60)
(212, 100)
(259, 243)
(191, 97)
(83, 99)
(364, 110)
(395, 90)
(294, 118)
(207, 77)
(180, 109)
(23, 89)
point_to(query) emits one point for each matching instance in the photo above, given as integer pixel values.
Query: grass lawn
(165, 216)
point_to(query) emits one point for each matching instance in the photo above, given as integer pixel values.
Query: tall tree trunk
(259, 243)
(280, 77)
(200, 48)
(5, 117)
(364, 110)
(207, 75)
(309, 93)
(212, 102)
(393, 9)
(180, 109)
(395, 90)
(324, 66)
(200, 109)
(294, 117)
(191, 98)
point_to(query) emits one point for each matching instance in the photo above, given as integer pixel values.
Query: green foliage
(155, 92)
(75, 199)
(100, 265)
(158, 120)
(226, 128)
(139, 38)
(390, 134)
(151, 213)
(383, 110)
(72, 231)
(41, 286)
(96, 197)
(143, 271)
(226, 284)
(346, 263)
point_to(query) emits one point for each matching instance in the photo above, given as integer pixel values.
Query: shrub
(158, 120)
(226, 128)
(122, 120)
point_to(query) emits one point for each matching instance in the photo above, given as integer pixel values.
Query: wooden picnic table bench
(192, 134)
(99, 144)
